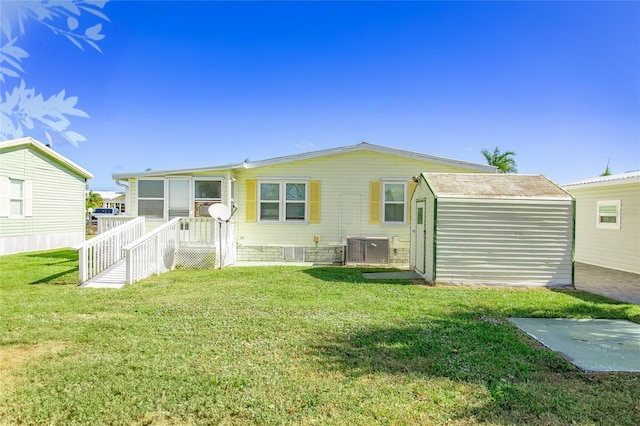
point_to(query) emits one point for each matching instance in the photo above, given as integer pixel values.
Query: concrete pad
(590, 344)
(402, 275)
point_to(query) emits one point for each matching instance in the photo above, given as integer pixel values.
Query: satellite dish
(219, 212)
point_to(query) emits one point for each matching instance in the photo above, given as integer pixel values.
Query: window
(206, 193)
(608, 214)
(16, 200)
(283, 201)
(151, 198)
(394, 202)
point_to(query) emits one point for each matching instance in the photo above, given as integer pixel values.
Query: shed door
(420, 237)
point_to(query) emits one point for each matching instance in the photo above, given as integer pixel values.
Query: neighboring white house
(42, 198)
(113, 199)
(304, 207)
(491, 229)
(608, 221)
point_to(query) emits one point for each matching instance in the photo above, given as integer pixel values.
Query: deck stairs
(113, 277)
(124, 254)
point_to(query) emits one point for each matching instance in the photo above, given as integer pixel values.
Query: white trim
(282, 202)
(5, 198)
(405, 203)
(608, 225)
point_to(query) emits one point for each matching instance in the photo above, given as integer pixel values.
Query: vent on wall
(373, 250)
(293, 254)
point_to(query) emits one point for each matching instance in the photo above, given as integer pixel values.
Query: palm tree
(502, 160)
(93, 200)
(607, 171)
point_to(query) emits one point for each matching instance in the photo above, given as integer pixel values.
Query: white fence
(102, 251)
(180, 243)
(106, 223)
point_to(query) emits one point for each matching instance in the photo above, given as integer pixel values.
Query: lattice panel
(195, 258)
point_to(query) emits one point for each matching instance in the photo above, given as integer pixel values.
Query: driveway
(611, 283)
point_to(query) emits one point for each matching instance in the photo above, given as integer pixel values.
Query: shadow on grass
(353, 274)
(479, 351)
(55, 278)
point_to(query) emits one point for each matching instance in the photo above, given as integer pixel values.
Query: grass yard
(289, 345)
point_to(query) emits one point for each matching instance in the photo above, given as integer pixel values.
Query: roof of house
(493, 185)
(110, 195)
(48, 152)
(363, 146)
(617, 179)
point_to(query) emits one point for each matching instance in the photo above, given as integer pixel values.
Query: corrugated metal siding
(343, 176)
(515, 242)
(609, 248)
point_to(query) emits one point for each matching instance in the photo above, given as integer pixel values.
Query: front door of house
(419, 238)
(179, 198)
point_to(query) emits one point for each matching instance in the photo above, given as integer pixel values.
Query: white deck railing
(105, 249)
(106, 223)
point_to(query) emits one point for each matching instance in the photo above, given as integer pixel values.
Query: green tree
(93, 200)
(607, 171)
(502, 160)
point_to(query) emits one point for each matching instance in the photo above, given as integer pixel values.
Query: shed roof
(617, 179)
(363, 146)
(46, 151)
(493, 185)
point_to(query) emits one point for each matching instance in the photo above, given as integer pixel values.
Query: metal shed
(492, 229)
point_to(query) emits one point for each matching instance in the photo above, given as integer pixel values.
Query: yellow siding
(344, 199)
(609, 248)
(251, 195)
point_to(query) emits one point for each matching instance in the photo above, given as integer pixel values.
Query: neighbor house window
(151, 198)
(394, 209)
(206, 193)
(608, 214)
(283, 201)
(16, 200)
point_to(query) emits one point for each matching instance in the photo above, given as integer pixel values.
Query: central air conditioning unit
(370, 250)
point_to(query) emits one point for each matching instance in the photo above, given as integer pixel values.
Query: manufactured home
(42, 198)
(340, 205)
(491, 229)
(608, 221)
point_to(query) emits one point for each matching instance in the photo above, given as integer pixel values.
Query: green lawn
(289, 345)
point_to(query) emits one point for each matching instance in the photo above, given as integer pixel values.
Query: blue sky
(190, 84)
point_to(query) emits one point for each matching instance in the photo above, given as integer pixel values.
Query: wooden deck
(114, 277)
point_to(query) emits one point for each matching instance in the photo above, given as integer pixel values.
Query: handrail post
(82, 264)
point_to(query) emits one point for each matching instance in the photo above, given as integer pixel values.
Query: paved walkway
(618, 285)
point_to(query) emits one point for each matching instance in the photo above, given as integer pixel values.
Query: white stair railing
(153, 253)
(106, 223)
(102, 251)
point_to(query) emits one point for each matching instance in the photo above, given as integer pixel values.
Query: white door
(419, 239)
(179, 198)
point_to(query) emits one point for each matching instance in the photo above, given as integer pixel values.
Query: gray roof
(363, 146)
(617, 179)
(493, 185)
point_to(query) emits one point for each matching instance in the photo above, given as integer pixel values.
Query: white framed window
(151, 198)
(394, 196)
(16, 198)
(608, 214)
(282, 201)
(206, 192)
